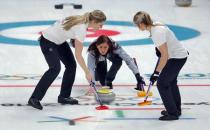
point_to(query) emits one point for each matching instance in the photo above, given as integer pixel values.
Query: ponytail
(96, 15)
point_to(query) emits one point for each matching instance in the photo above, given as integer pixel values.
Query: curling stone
(183, 3)
(143, 93)
(106, 95)
(59, 6)
(75, 6)
(104, 90)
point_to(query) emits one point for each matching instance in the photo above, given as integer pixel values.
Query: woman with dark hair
(104, 48)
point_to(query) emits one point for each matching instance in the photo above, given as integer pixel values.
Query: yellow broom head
(143, 93)
(144, 103)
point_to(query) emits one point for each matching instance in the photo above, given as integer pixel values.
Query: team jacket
(118, 51)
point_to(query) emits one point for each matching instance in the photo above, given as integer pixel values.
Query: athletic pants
(53, 55)
(167, 85)
(101, 69)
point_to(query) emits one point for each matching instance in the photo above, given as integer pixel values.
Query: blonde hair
(96, 15)
(142, 17)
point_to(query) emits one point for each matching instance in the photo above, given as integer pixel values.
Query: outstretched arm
(128, 60)
(80, 59)
(132, 66)
(91, 60)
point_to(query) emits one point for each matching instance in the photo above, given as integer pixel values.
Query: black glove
(158, 54)
(140, 82)
(154, 77)
(109, 84)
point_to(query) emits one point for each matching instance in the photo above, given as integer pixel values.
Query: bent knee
(162, 83)
(55, 68)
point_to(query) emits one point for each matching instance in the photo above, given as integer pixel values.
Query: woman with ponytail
(172, 57)
(55, 49)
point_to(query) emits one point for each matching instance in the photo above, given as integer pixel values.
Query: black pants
(167, 85)
(101, 70)
(53, 55)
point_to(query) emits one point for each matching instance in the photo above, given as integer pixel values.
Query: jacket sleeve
(128, 60)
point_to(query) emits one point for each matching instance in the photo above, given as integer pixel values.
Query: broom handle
(150, 84)
(148, 90)
(96, 94)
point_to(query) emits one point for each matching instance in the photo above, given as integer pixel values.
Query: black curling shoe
(165, 113)
(35, 103)
(168, 118)
(109, 84)
(68, 100)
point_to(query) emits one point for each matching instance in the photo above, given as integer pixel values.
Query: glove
(158, 54)
(154, 77)
(109, 84)
(140, 82)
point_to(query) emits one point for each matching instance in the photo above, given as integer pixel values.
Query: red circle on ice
(98, 33)
(101, 32)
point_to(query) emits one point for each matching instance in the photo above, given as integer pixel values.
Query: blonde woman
(55, 49)
(172, 57)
